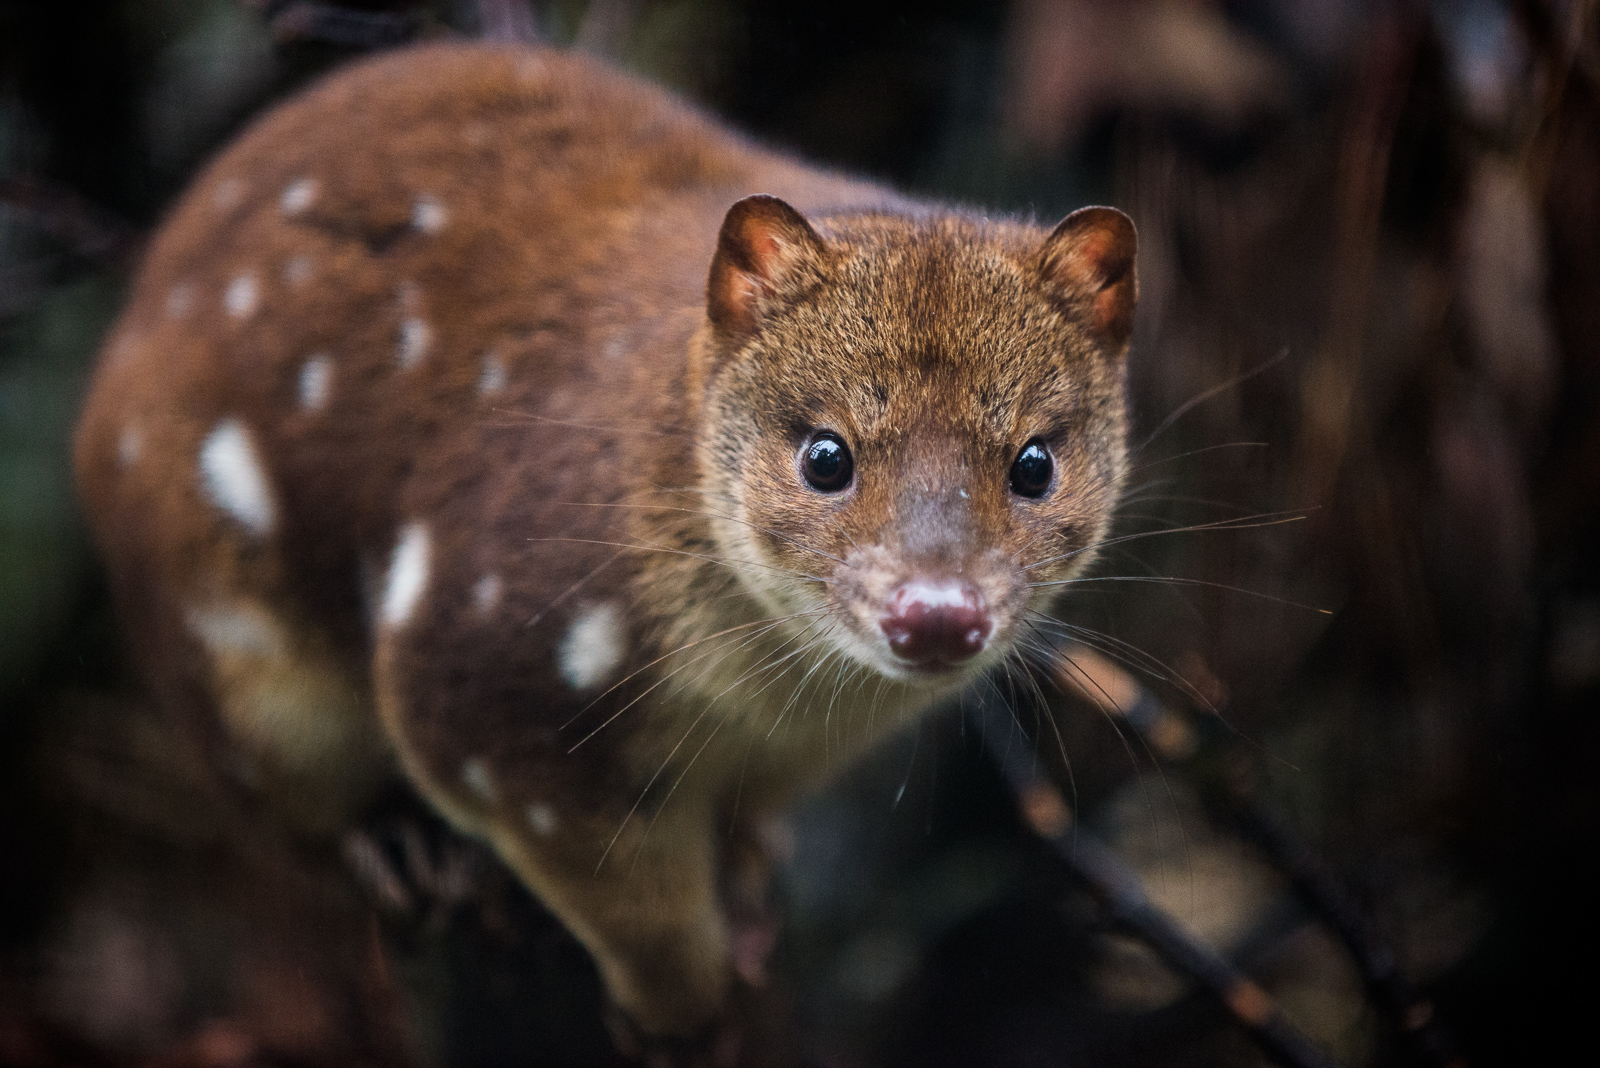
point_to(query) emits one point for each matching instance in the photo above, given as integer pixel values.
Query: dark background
(1372, 228)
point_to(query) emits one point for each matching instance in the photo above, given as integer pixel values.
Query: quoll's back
(470, 418)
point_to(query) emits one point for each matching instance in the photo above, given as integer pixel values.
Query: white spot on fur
(593, 647)
(130, 443)
(475, 773)
(408, 575)
(240, 629)
(234, 477)
(242, 296)
(428, 215)
(316, 382)
(180, 301)
(493, 377)
(486, 593)
(298, 195)
(415, 334)
(298, 270)
(228, 193)
(415, 337)
(542, 818)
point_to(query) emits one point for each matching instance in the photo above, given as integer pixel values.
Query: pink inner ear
(1111, 305)
(1094, 252)
(765, 248)
(763, 244)
(1090, 257)
(738, 294)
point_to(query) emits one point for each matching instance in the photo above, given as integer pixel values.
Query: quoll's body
(471, 417)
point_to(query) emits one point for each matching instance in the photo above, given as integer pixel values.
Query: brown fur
(479, 208)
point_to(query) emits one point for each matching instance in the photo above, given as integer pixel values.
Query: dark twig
(1202, 747)
(1412, 1014)
(1118, 889)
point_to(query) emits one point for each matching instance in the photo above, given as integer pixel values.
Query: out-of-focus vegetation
(1370, 263)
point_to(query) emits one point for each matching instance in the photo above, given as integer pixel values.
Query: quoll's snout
(936, 624)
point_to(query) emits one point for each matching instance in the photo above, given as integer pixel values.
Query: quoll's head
(915, 426)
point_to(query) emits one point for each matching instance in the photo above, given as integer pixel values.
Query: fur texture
(525, 383)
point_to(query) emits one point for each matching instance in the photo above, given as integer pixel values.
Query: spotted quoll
(483, 416)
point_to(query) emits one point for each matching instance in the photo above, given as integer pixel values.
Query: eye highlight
(1032, 470)
(825, 462)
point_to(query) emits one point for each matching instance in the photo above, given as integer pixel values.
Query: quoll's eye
(1032, 470)
(825, 462)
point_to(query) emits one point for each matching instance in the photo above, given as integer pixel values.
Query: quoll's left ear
(1089, 260)
(765, 252)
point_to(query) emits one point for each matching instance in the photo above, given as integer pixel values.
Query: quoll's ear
(765, 250)
(1089, 260)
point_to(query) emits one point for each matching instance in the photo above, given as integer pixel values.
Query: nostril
(934, 624)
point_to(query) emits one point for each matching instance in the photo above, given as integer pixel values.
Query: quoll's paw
(717, 1045)
(415, 870)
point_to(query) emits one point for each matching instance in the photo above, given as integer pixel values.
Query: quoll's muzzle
(933, 625)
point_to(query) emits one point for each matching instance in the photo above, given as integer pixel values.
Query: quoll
(486, 417)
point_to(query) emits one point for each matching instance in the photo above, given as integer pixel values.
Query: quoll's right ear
(766, 250)
(1088, 259)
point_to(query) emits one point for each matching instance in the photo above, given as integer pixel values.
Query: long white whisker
(1265, 519)
(1220, 387)
(667, 760)
(770, 624)
(1176, 581)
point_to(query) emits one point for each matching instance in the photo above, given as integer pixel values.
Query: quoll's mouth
(936, 626)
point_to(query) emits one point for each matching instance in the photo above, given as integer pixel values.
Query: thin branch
(1412, 1015)
(1196, 745)
(1119, 890)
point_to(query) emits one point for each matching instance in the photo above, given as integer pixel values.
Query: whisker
(1176, 581)
(1175, 498)
(574, 588)
(770, 623)
(664, 765)
(1190, 404)
(1250, 522)
(682, 648)
(1019, 655)
(1143, 662)
(1144, 741)
(667, 760)
(1122, 736)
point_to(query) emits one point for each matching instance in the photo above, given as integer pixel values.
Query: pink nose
(935, 624)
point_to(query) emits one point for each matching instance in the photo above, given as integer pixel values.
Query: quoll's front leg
(649, 913)
(475, 734)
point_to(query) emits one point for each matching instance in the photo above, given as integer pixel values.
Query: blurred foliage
(45, 354)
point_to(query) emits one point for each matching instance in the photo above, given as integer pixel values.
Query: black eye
(825, 462)
(1032, 470)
